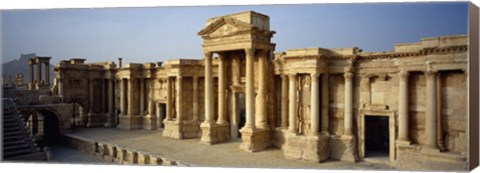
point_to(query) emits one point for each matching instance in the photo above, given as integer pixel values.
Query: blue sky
(156, 34)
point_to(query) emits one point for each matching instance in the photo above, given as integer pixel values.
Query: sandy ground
(193, 153)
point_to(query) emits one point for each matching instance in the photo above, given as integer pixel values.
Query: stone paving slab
(193, 153)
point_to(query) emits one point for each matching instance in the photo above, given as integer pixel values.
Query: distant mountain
(14, 67)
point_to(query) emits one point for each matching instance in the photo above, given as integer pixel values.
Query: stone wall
(454, 115)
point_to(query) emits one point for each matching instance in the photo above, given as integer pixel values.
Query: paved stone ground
(191, 152)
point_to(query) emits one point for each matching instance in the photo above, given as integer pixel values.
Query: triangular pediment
(224, 26)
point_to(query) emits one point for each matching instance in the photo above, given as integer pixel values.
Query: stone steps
(17, 142)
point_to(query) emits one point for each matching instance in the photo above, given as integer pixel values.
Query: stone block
(130, 122)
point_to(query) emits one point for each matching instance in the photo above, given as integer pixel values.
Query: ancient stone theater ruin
(314, 104)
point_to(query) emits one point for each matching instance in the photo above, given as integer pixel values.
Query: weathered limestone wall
(336, 96)
(417, 107)
(454, 115)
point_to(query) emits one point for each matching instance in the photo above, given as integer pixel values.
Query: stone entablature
(312, 103)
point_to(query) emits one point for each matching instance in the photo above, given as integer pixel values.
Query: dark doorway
(51, 129)
(376, 136)
(161, 115)
(241, 111)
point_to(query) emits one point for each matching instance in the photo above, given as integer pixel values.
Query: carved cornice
(423, 52)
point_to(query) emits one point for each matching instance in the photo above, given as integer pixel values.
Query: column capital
(403, 74)
(315, 74)
(207, 54)
(430, 73)
(284, 76)
(348, 75)
(291, 76)
(250, 52)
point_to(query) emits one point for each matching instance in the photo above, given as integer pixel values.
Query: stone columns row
(39, 72)
(289, 104)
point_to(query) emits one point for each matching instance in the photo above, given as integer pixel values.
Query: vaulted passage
(376, 136)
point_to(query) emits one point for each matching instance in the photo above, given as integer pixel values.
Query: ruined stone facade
(314, 104)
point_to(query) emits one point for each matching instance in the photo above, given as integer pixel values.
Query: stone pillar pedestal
(150, 120)
(130, 122)
(310, 148)
(214, 133)
(345, 148)
(255, 139)
(172, 129)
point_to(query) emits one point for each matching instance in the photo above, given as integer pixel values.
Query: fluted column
(47, 74)
(142, 97)
(431, 109)
(314, 104)
(179, 99)
(208, 89)
(250, 95)
(122, 97)
(169, 100)
(292, 104)
(195, 98)
(284, 94)
(403, 106)
(260, 106)
(348, 105)
(325, 104)
(221, 91)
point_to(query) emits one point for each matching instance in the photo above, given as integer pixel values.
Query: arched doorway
(44, 126)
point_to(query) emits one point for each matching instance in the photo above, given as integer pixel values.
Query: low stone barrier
(118, 154)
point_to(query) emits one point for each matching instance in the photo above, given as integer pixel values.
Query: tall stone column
(348, 105)
(39, 73)
(284, 103)
(142, 97)
(261, 115)
(325, 104)
(30, 70)
(221, 91)
(431, 109)
(179, 99)
(91, 103)
(195, 98)
(122, 97)
(129, 97)
(292, 104)
(236, 70)
(208, 89)
(403, 106)
(110, 114)
(440, 139)
(47, 74)
(250, 91)
(60, 85)
(169, 100)
(104, 101)
(314, 104)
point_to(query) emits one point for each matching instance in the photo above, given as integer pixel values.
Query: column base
(149, 122)
(310, 148)
(109, 122)
(173, 129)
(214, 133)
(129, 122)
(344, 148)
(93, 120)
(255, 139)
